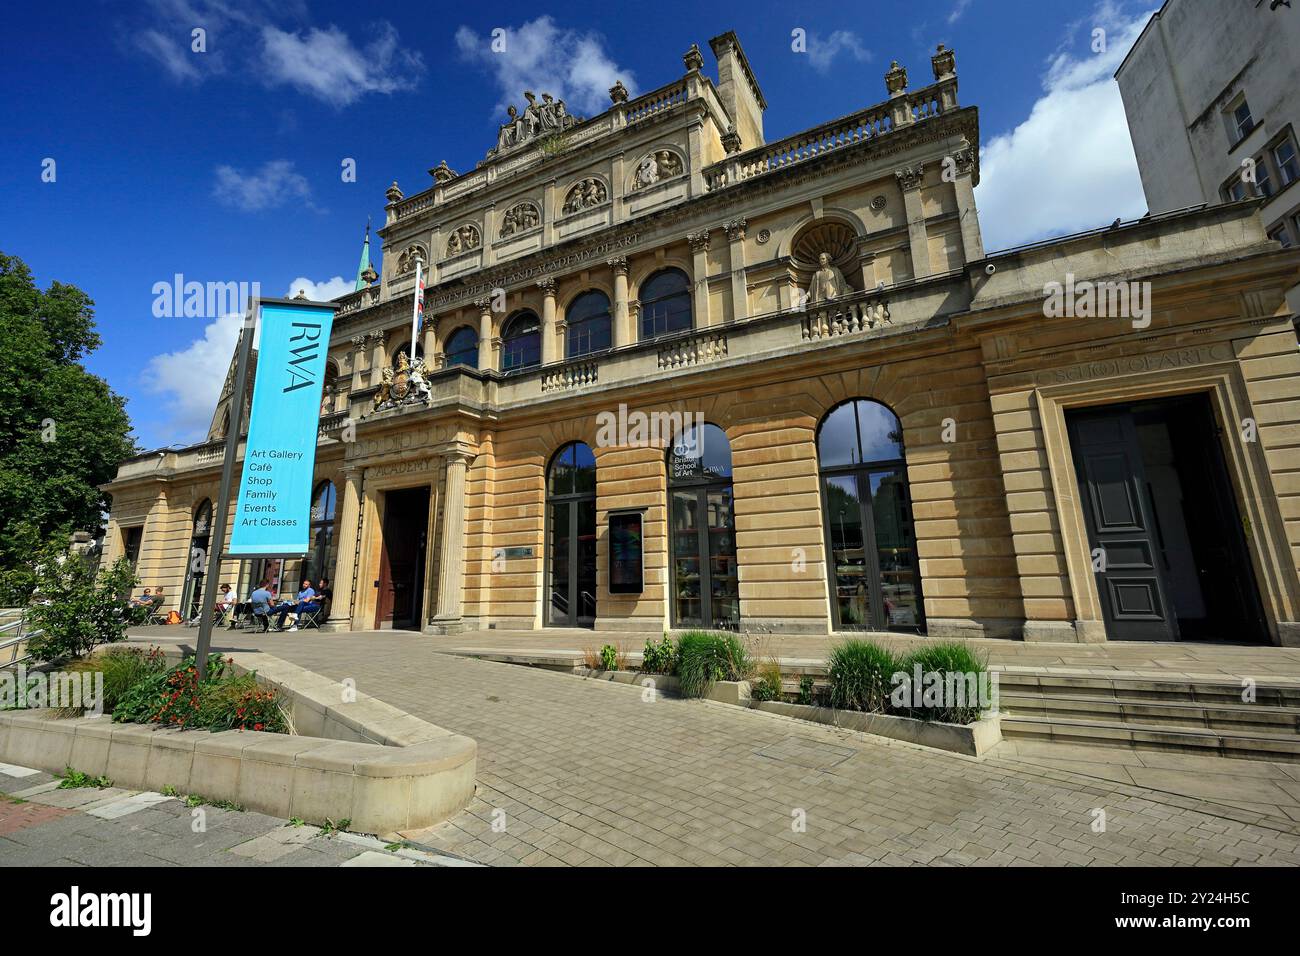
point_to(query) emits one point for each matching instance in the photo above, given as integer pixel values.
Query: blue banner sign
(274, 501)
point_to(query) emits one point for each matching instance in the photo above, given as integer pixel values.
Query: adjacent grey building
(1212, 93)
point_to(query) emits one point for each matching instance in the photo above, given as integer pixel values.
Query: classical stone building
(872, 424)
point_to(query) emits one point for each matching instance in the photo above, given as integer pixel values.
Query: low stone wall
(971, 739)
(352, 757)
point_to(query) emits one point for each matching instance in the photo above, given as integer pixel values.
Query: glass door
(706, 589)
(572, 566)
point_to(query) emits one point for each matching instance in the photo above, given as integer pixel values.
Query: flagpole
(417, 308)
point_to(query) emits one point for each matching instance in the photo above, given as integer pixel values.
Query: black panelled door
(1123, 534)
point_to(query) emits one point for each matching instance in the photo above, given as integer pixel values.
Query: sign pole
(217, 543)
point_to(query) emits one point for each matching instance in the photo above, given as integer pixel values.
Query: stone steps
(1187, 715)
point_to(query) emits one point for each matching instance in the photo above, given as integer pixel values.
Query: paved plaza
(42, 825)
(584, 772)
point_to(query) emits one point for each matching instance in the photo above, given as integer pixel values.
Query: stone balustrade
(655, 102)
(856, 313)
(877, 120)
(693, 350)
(570, 375)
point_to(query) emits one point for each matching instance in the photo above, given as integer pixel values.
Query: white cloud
(544, 58)
(957, 10)
(822, 53)
(272, 185)
(320, 291)
(189, 383)
(1070, 165)
(325, 63)
(175, 57)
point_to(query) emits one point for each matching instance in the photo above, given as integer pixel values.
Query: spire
(364, 266)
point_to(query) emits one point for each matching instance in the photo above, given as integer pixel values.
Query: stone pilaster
(345, 544)
(548, 320)
(619, 318)
(700, 264)
(484, 333)
(451, 568)
(909, 181)
(378, 357)
(736, 251)
(356, 359)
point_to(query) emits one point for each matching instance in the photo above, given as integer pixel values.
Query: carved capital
(699, 241)
(547, 286)
(377, 336)
(359, 341)
(909, 177)
(484, 305)
(618, 264)
(736, 229)
(964, 157)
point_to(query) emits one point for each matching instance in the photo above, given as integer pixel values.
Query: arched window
(665, 303)
(874, 575)
(201, 533)
(521, 345)
(320, 560)
(406, 347)
(706, 587)
(588, 322)
(571, 537)
(462, 347)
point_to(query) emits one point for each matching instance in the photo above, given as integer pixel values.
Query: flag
(417, 314)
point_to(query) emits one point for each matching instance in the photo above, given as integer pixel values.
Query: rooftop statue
(538, 119)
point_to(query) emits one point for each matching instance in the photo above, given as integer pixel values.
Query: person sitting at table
(306, 602)
(260, 601)
(143, 600)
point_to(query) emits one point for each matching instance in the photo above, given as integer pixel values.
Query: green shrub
(960, 682)
(609, 657)
(806, 689)
(660, 658)
(123, 668)
(860, 676)
(704, 658)
(77, 605)
(767, 686)
(240, 703)
(224, 701)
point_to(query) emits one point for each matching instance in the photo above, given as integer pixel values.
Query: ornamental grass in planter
(861, 676)
(705, 657)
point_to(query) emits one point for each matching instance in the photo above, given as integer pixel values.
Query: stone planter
(970, 739)
(351, 757)
(723, 691)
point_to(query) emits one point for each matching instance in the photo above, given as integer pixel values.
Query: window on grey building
(1263, 177)
(1288, 165)
(1241, 121)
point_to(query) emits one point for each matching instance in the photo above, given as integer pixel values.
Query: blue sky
(225, 165)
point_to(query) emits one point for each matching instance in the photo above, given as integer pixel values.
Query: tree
(63, 431)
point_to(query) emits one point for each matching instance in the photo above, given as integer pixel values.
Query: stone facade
(954, 343)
